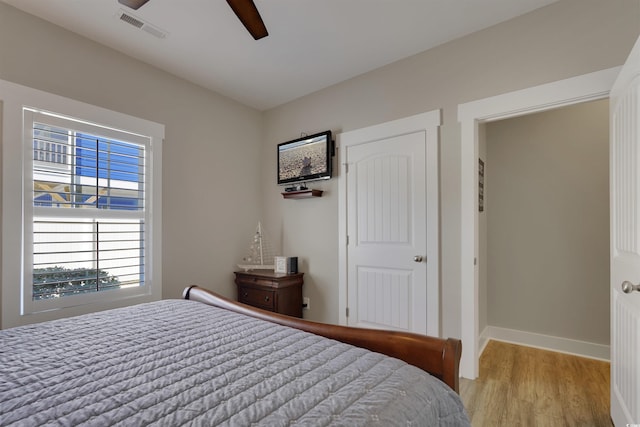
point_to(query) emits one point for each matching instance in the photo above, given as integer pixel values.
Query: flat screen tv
(305, 159)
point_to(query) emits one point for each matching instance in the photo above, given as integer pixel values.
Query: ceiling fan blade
(248, 14)
(133, 4)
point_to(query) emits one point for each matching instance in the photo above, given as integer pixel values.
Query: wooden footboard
(439, 357)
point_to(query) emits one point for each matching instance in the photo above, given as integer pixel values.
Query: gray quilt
(178, 362)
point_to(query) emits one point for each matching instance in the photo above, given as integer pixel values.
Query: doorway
(544, 255)
(575, 90)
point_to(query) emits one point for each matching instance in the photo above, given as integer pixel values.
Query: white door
(391, 212)
(625, 243)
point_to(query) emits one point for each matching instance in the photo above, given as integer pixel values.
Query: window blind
(89, 205)
(97, 172)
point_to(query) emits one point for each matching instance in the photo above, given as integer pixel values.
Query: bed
(205, 360)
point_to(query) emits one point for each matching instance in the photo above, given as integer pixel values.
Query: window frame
(30, 117)
(17, 204)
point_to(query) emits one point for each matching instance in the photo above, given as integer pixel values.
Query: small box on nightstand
(286, 264)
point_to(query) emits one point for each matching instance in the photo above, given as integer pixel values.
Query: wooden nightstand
(278, 292)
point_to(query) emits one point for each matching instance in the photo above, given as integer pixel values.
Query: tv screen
(305, 159)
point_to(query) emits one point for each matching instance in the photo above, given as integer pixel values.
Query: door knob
(418, 258)
(628, 287)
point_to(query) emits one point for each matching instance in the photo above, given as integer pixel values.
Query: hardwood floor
(523, 386)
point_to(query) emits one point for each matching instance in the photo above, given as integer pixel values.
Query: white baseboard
(545, 342)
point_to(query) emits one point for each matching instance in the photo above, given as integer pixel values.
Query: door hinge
(347, 240)
(346, 167)
(347, 311)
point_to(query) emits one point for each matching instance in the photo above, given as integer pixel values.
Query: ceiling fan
(245, 10)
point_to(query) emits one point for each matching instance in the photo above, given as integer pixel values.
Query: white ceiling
(312, 44)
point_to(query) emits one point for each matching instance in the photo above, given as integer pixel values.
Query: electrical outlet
(306, 305)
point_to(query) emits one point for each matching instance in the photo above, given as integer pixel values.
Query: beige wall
(548, 223)
(1, 212)
(211, 152)
(218, 181)
(565, 39)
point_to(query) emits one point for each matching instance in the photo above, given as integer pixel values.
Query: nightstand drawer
(257, 297)
(259, 281)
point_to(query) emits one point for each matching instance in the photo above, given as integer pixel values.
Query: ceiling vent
(141, 24)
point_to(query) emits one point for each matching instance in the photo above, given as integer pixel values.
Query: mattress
(180, 362)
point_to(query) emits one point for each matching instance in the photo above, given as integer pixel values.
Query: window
(87, 201)
(81, 207)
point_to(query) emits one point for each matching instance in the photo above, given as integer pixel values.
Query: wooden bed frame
(439, 357)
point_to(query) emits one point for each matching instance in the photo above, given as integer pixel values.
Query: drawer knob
(266, 299)
(246, 294)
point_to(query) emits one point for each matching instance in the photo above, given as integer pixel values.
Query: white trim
(429, 123)
(342, 234)
(570, 91)
(547, 342)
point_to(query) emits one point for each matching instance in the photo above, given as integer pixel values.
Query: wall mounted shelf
(302, 194)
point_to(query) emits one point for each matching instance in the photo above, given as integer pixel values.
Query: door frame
(429, 123)
(575, 90)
